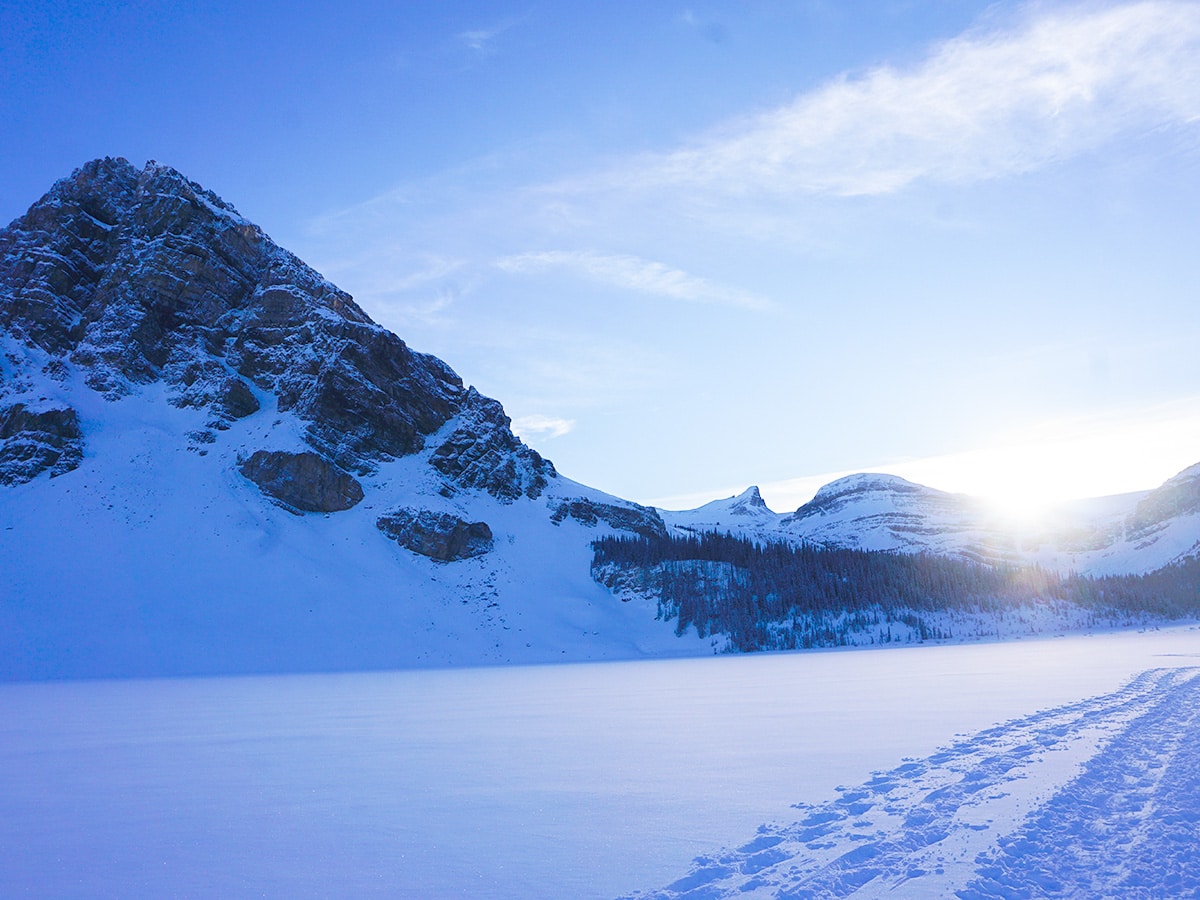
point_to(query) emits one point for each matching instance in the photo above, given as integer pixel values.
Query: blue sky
(695, 247)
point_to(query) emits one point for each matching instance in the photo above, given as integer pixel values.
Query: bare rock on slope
(1178, 496)
(641, 520)
(134, 276)
(440, 536)
(139, 276)
(483, 453)
(32, 442)
(302, 481)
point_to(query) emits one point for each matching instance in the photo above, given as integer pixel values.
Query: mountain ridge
(1128, 533)
(212, 460)
(189, 414)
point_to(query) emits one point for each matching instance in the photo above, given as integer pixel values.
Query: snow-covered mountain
(1126, 533)
(212, 460)
(884, 512)
(744, 514)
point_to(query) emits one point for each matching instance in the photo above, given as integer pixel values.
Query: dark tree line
(775, 595)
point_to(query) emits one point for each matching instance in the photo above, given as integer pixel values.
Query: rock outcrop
(35, 441)
(745, 514)
(142, 275)
(1178, 496)
(642, 520)
(135, 276)
(483, 453)
(440, 536)
(302, 481)
(748, 504)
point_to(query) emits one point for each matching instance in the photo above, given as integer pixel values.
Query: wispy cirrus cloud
(634, 273)
(549, 426)
(1046, 84)
(432, 268)
(482, 40)
(408, 287)
(987, 104)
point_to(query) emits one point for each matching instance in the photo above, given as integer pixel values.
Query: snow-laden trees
(775, 595)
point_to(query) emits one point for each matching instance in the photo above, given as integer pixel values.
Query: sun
(1023, 504)
(1023, 484)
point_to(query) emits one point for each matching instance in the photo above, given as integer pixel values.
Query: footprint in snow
(973, 820)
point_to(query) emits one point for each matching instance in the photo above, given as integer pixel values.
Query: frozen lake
(552, 781)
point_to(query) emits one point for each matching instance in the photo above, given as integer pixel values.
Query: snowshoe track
(1096, 798)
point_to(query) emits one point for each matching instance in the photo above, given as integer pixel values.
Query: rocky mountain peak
(135, 276)
(748, 503)
(113, 252)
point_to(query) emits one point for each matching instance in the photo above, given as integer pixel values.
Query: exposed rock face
(235, 399)
(32, 442)
(302, 481)
(440, 536)
(748, 504)
(638, 519)
(206, 384)
(136, 276)
(483, 453)
(144, 275)
(746, 514)
(1178, 496)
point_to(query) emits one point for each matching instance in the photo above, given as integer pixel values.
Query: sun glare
(1020, 485)
(1021, 505)
(1025, 477)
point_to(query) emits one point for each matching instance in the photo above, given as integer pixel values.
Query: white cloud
(429, 311)
(481, 39)
(399, 286)
(634, 273)
(397, 273)
(550, 426)
(979, 106)
(477, 39)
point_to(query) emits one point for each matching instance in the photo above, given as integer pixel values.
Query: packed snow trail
(1097, 798)
(1129, 825)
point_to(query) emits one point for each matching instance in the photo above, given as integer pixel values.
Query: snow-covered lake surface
(600, 780)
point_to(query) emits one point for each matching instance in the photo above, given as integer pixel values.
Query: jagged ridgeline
(780, 596)
(213, 461)
(137, 276)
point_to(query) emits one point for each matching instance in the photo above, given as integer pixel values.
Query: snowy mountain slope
(884, 512)
(1163, 526)
(745, 514)
(151, 559)
(1127, 533)
(211, 460)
